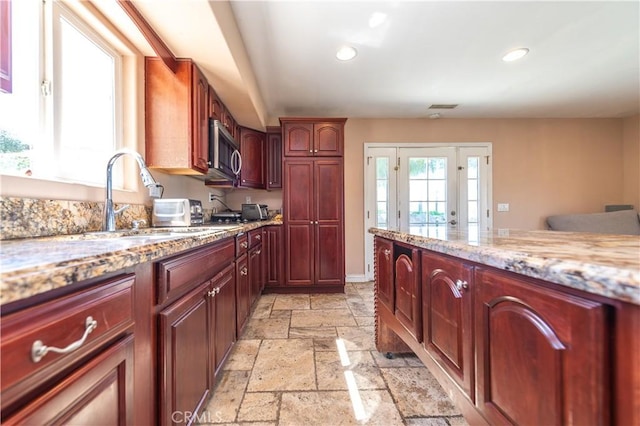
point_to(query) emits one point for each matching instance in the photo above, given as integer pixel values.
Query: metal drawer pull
(244, 244)
(258, 237)
(460, 285)
(39, 350)
(243, 271)
(386, 252)
(258, 252)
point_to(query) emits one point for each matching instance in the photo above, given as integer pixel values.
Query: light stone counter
(606, 265)
(35, 265)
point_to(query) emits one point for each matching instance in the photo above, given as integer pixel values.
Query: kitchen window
(64, 117)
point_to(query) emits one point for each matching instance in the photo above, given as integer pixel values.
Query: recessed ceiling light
(515, 54)
(346, 53)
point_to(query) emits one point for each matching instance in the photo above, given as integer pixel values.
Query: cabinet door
(100, 391)
(328, 139)
(223, 287)
(255, 271)
(200, 117)
(329, 233)
(384, 272)
(243, 293)
(299, 221)
(274, 161)
(298, 139)
(408, 295)
(546, 346)
(274, 256)
(446, 315)
(184, 355)
(252, 148)
(215, 105)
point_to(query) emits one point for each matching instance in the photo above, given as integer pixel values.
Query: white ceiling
(584, 58)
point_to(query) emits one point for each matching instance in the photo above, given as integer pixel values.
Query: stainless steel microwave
(225, 160)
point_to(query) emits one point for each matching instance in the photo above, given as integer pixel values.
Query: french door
(426, 190)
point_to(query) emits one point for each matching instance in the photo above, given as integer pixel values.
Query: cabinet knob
(258, 237)
(243, 271)
(244, 244)
(462, 285)
(387, 253)
(311, 151)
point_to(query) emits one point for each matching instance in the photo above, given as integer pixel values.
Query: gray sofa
(625, 222)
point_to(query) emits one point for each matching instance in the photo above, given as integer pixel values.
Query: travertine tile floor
(311, 360)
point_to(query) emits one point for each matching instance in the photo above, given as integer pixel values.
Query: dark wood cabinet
(256, 262)
(314, 229)
(185, 340)
(541, 354)
(252, 148)
(243, 292)
(274, 158)
(304, 137)
(100, 391)
(42, 388)
(215, 105)
(274, 256)
(222, 297)
(385, 290)
(447, 286)
(408, 295)
(177, 117)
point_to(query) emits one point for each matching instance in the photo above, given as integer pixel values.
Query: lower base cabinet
(542, 353)
(99, 392)
(542, 356)
(223, 308)
(184, 357)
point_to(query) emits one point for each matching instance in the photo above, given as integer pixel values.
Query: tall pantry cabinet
(313, 199)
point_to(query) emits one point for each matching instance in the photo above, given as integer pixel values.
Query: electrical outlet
(503, 207)
(211, 196)
(247, 199)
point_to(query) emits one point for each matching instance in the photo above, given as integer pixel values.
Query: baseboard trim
(356, 279)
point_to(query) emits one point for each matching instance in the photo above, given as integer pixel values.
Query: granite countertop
(606, 265)
(32, 266)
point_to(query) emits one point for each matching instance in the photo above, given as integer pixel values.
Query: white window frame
(368, 247)
(54, 10)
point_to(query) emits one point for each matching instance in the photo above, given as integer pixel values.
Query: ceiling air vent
(443, 106)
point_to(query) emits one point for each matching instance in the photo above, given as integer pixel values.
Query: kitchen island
(535, 327)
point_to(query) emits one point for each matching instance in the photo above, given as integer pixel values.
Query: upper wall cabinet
(252, 148)
(274, 158)
(177, 117)
(304, 137)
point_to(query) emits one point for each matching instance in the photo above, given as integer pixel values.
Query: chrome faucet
(147, 180)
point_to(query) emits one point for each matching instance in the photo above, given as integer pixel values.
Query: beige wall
(631, 161)
(540, 166)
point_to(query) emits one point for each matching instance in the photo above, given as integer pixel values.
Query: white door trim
(368, 247)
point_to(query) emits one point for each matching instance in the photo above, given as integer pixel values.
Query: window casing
(77, 111)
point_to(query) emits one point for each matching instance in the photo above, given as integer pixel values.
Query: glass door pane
(427, 189)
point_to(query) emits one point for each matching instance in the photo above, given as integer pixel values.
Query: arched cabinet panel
(546, 346)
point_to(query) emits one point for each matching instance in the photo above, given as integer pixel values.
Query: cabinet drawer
(179, 274)
(255, 237)
(59, 324)
(99, 392)
(242, 244)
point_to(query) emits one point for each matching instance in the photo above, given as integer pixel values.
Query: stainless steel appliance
(254, 212)
(226, 217)
(225, 160)
(176, 212)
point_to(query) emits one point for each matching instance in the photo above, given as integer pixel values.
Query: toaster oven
(176, 212)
